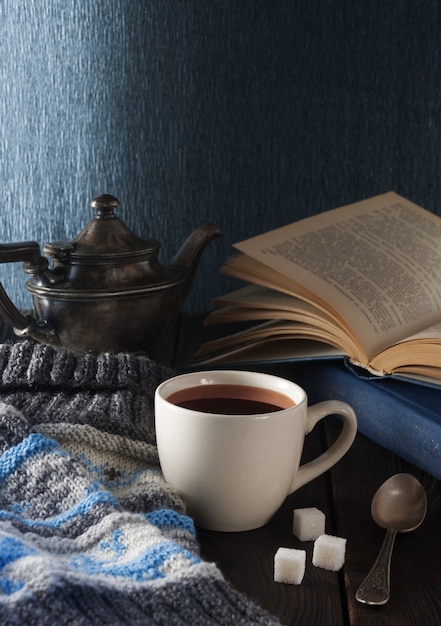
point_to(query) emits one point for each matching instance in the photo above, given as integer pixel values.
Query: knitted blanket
(90, 533)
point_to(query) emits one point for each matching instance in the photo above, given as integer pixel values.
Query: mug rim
(235, 377)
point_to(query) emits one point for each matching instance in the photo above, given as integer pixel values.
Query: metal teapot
(106, 290)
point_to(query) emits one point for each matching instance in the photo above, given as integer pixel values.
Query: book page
(262, 299)
(420, 350)
(272, 329)
(256, 303)
(272, 349)
(251, 270)
(376, 262)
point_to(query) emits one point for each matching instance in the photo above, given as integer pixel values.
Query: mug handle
(326, 460)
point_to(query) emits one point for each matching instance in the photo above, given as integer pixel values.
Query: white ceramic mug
(234, 471)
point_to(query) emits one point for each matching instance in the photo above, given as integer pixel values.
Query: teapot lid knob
(104, 205)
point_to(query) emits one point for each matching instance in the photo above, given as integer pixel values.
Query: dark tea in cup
(229, 399)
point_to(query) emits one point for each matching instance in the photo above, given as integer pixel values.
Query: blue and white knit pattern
(90, 533)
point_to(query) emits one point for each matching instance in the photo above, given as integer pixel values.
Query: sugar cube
(289, 566)
(329, 552)
(308, 524)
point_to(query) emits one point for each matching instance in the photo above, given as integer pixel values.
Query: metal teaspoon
(399, 505)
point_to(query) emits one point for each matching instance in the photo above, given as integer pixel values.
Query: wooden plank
(415, 570)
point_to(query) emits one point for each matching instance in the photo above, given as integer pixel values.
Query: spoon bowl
(399, 505)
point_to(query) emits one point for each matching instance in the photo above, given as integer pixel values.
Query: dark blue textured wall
(250, 113)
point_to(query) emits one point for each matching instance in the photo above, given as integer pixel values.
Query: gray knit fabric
(90, 533)
(110, 391)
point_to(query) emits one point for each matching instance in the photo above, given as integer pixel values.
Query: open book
(363, 280)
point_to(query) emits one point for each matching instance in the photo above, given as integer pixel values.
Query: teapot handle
(29, 253)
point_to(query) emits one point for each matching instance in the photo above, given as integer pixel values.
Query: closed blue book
(401, 416)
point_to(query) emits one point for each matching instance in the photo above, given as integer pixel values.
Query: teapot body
(119, 322)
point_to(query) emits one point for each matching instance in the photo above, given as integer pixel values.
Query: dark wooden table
(344, 494)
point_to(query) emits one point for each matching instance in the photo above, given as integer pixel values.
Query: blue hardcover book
(403, 417)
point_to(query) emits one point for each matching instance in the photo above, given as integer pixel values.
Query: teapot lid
(104, 239)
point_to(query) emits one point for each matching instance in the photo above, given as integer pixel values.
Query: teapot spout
(187, 258)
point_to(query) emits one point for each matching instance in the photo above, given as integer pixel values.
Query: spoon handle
(375, 588)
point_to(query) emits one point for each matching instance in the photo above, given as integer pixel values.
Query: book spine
(410, 429)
